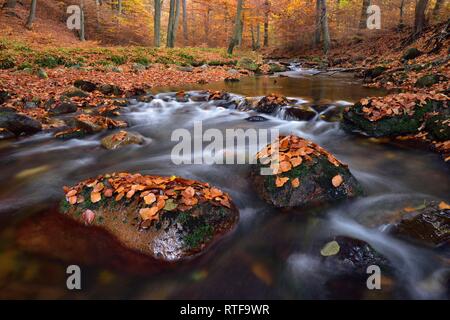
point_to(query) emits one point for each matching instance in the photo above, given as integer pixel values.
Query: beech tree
(237, 33)
(420, 18)
(32, 15)
(174, 14)
(157, 23)
(363, 18)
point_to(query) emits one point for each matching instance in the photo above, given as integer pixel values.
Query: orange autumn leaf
(149, 213)
(95, 197)
(130, 193)
(444, 206)
(281, 181)
(296, 161)
(71, 193)
(295, 183)
(337, 180)
(150, 198)
(73, 199)
(285, 166)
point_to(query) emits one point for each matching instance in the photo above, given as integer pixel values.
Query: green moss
(142, 60)
(118, 60)
(7, 63)
(199, 235)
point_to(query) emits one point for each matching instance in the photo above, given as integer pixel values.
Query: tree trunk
(32, 15)
(170, 24)
(420, 19)
(325, 29)
(82, 30)
(266, 23)
(237, 27)
(157, 24)
(97, 14)
(318, 30)
(363, 18)
(437, 8)
(207, 20)
(401, 23)
(185, 24)
(11, 4)
(258, 36)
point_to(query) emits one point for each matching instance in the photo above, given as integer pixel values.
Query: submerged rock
(300, 113)
(429, 225)
(349, 255)
(109, 89)
(305, 174)
(166, 218)
(94, 124)
(74, 93)
(121, 139)
(256, 119)
(18, 123)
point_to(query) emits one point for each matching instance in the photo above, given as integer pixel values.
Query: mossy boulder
(121, 139)
(304, 174)
(355, 120)
(72, 93)
(277, 67)
(430, 80)
(19, 124)
(248, 64)
(428, 224)
(438, 125)
(165, 218)
(411, 53)
(109, 89)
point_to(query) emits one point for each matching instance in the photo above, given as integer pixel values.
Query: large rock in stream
(19, 124)
(303, 174)
(428, 224)
(164, 218)
(393, 115)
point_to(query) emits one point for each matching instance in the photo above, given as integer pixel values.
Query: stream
(271, 254)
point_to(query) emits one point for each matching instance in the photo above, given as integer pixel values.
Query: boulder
(349, 255)
(429, 225)
(277, 67)
(218, 95)
(95, 123)
(19, 124)
(399, 115)
(121, 139)
(165, 218)
(248, 64)
(181, 96)
(109, 89)
(430, 80)
(256, 119)
(84, 85)
(374, 72)
(304, 174)
(4, 96)
(411, 53)
(42, 74)
(271, 103)
(72, 93)
(438, 125)
(63, 108)
(6, 134)
(300, 113)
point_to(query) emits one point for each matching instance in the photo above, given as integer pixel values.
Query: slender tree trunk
(157, 24)
(325, 29)
(241, 32)
(82, 30)
(97, 14)
(258, 36)
(170, 24)
(266, 22)
(207, 20)
(318, 30)
(437, 8)
(174, 15)
(363, 18)
(237, 27)
(185, 24)
(252, 31)
(32, 15)
(420, 19)
(402, 8)
(11, 4)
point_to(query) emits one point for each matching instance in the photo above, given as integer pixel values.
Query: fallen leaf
(88, 216)
(337, 180)
(280, 181)
(149, 213)
(444, 206)
(295, 183)
(150, 198)
(330, 249)
(95, 197)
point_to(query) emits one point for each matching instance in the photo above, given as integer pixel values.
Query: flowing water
(271, 254)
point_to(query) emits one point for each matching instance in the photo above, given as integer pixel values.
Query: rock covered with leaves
(121, 139)
(167, 218)
(392, 115)
(303, 174)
